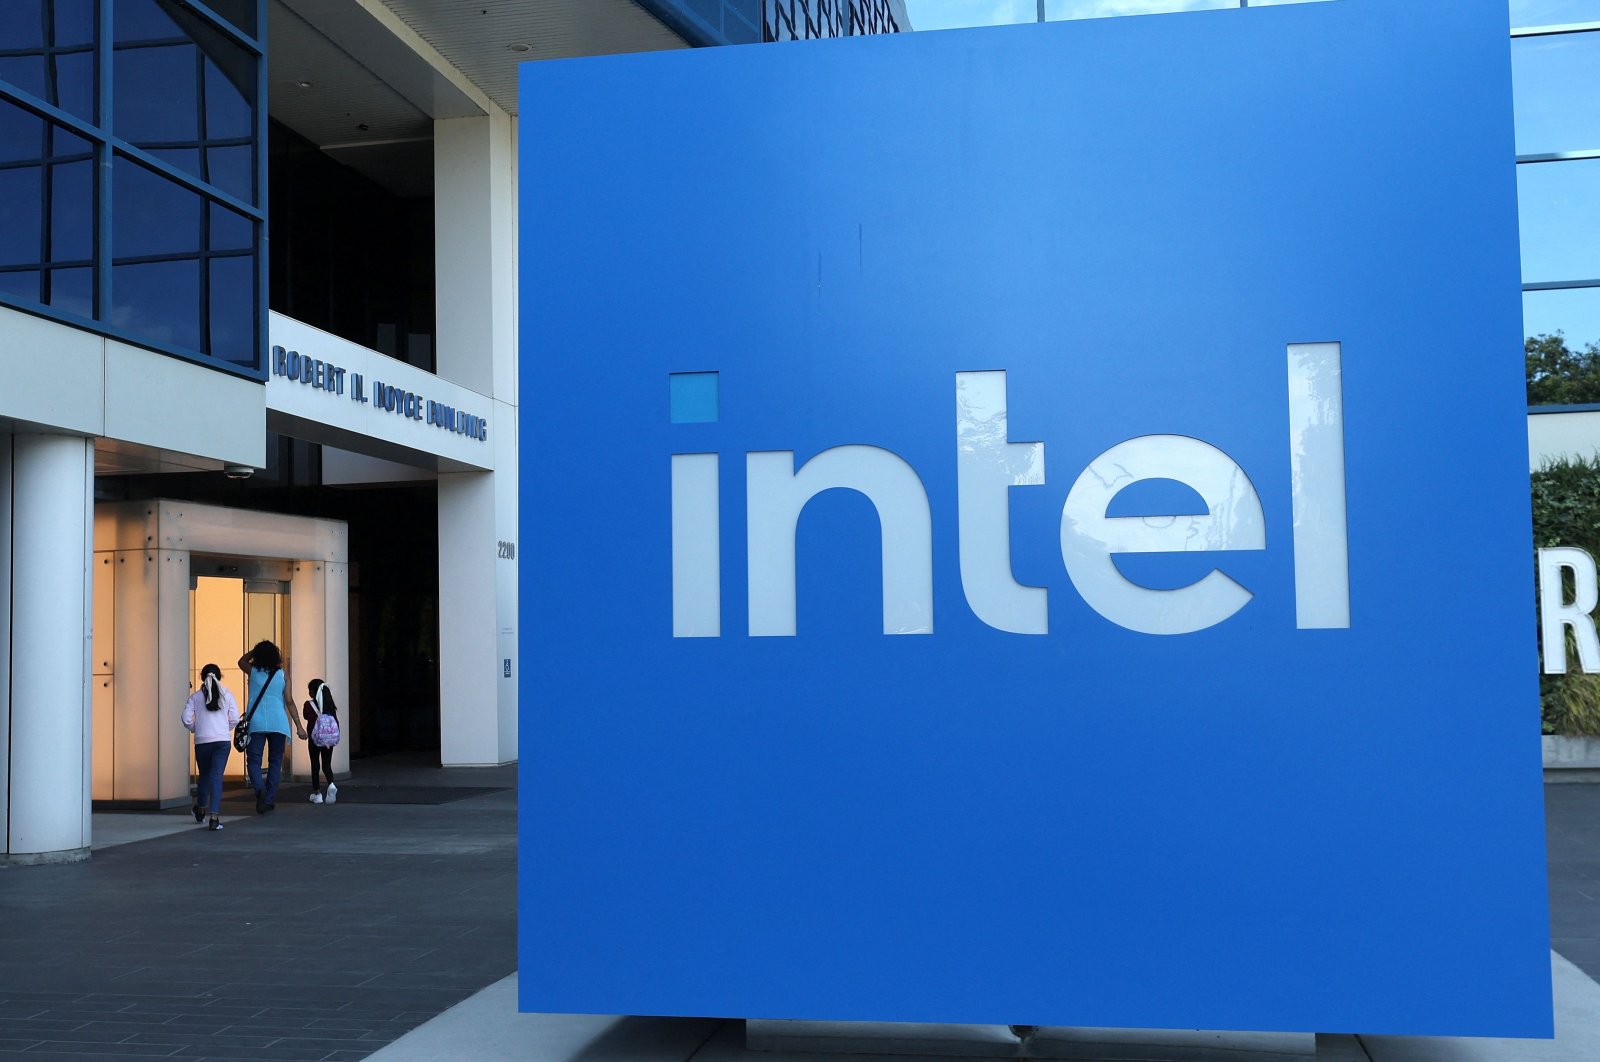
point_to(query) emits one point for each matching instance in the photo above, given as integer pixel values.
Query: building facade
(204, 443)
(257, 332)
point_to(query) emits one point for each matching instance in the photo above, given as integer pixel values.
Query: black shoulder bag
(241, 733)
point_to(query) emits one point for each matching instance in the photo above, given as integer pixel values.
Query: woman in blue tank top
(270, 716)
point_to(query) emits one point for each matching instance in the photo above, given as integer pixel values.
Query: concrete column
(469, 732)
(50, 516)
(319, 630)
(475, 269)
(475, 243)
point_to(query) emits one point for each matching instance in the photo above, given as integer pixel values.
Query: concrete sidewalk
(311, 933)
(487, 1027)
(387, 924)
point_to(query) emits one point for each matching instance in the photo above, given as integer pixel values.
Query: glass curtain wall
(132, 194)
(1555, 56)
(951, 14)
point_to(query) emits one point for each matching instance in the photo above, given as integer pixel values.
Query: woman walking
(210, 715)
(321, 739)
(270, 715)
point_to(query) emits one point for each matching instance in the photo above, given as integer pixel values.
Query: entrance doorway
(180, 584)
(233, 604)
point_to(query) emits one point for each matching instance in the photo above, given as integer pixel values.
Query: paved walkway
(311, 933)
(175, 942)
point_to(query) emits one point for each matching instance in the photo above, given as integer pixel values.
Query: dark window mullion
(27, 53)
(190, 145)
(178, 256)
(104, 156)
(28, 164)
(52, 90)
(159, 165)
(228, 29)
(44, 211)
(65, 263)
(200, 127)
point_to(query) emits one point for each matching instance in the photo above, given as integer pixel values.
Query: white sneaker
(316, 798)
(333, 794)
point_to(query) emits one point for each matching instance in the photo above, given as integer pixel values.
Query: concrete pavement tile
(1577, 1039)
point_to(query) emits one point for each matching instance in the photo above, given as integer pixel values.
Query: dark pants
(274, 745)
(320, 758)
(211, 757)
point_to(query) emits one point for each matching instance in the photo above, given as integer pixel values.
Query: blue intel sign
(1030, 526)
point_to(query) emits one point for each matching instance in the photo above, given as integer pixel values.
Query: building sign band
(336, 380)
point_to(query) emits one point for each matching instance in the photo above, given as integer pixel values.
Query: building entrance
(181, 584)
(244, 601)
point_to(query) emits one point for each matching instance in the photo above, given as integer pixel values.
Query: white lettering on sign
(988, 465)
(1557, 615)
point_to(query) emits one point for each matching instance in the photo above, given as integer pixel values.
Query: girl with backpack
(322, 734)
(210, 715)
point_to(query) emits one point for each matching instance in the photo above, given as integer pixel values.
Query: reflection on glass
(152, 215)
(48, 48)
(1070, 9)
(1316, 469)
(186, 93)
(1559, 208)
(231, 310)
(1526, 13)
(158, 302)
(1557, 105)
(988, 465)
(696, 547)
(775, 495)
(184, 268)
(1573, 312)
(46, 210)
(1089, 538)
(951, 14)
(155, 244)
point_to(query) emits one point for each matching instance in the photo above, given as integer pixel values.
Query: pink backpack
(325, 731)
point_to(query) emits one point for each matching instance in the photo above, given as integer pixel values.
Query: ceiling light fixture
(520, 47)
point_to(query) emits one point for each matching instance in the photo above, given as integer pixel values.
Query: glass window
(186, 93)
(948, 14)
(151, 214)
(1574, 312)
(156, 254)
(158, 302)
(1559, 207)
(46, 211)
(47, 50)
(22, 24)
(1526, 13)
(232, 310)
(184, 269)
(1557, 105)
(1069, 9)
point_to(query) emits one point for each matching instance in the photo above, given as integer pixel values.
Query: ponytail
(323, 696)
(211, 682)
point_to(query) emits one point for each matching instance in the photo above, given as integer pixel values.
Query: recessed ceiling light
(304, 84)
(520, 46)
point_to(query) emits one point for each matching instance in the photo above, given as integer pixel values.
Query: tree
(1560, 376)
